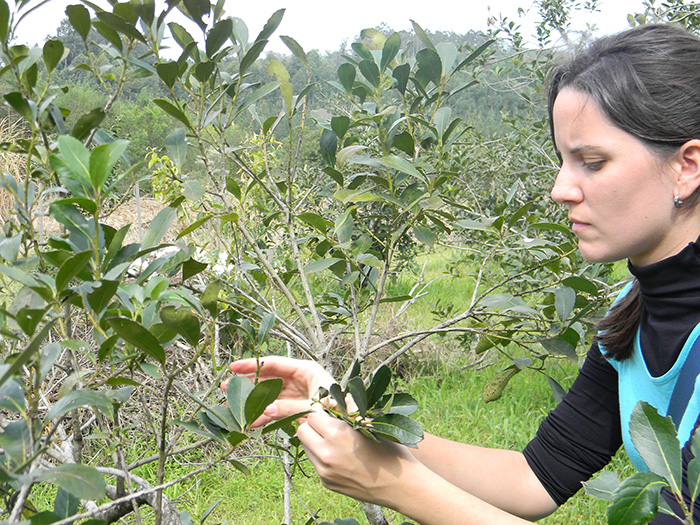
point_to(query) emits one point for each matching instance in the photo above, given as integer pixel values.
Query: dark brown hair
(647, 81)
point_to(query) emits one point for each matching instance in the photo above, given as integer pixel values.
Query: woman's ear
(686, 165)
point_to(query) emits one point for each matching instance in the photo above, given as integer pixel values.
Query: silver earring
(677, 201)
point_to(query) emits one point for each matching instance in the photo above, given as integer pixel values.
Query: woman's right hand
(301, 381)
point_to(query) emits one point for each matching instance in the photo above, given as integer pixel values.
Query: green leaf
(20, 105)
(266, 324)
(329, 144)
(80, 398)
(72, 267)
(28, 354)
(53, 53)
(218, 35)
(172, 110)
(320, 265)
(176, 146)
(603, 486)
(401, 165)
(636, 500)
(422, 35)
(192, 267)
(315, 221)
(237, 391)
(430, 65)
(4, 20)
(272, 24)
(210, 298)
(102, 160)
(478, 51)
(168, 72)
(182, 321)
(424, 235)
(80, 480)
(400, 403)
(340, 126)
(65, 504)
(79, 18)
(251, 56)
(346, 75)
(158, 227)
(564, 302)
(655, 439)
(370, 71)
(379, 383)
(87, 123)
(559, 347)
(284, 422)
(135, 334)
(120, 25)
(264, 393)
(390, 50)
(398, 428)
(295, 48)
(16, 441)
(180, 34)
(401, 74)
(356, 387)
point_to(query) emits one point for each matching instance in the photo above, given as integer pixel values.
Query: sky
(324, 24)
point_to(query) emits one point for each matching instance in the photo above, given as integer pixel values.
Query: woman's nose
(565, 189)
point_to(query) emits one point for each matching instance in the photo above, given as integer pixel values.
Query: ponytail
(618, 329)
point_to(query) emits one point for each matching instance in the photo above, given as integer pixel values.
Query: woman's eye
(594, 166)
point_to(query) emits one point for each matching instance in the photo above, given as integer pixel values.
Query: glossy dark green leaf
(381, 379)
(158, 228)
(295, 48)
(346, 75)
(53, 53)
(27, 354)
(559, 347)
(233, 188)
(603, 486)
(404, 141)
(81, 398)
(135, 334)
(172, 110)
(581, 284)
(109, 34)
(181, 35)
(102, 160)
(315, 221)
(80, 480)
(339, 396)
(118, 24)
(204, 70)
(636, 500)
(390, 50)
(424, 235)
(71, 268)
(370, 71)
(87, 123)
(15, 441)
(197, 10)
(210, 298)
(329, 144)
(218, 35)
(398, 428)
(357, 390)
(422, 35)
(340, 126)
(284, 423)
(430, 65)
(182, 321)
(270, 26)
(237, 390)
(4, 20)
(168, 72)
(65, 504)
(264, 393)
(79, 18)
(251, 56)
(192, 267)
(401, 74)
(655, 439)
(20, 105)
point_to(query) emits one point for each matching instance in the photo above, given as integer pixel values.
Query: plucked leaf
(398, 428)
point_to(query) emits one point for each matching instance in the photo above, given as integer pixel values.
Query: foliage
(101, 332)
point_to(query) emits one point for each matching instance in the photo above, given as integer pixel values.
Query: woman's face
(619, 193)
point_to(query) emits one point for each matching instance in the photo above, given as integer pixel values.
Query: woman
(625, 120)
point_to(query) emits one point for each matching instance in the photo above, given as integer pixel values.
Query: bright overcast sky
(325, 24)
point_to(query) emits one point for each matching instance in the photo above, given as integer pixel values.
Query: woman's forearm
(499, 477)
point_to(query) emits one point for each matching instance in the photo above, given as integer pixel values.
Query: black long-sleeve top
(580, 436)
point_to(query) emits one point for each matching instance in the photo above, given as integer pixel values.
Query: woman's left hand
(352, 464)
